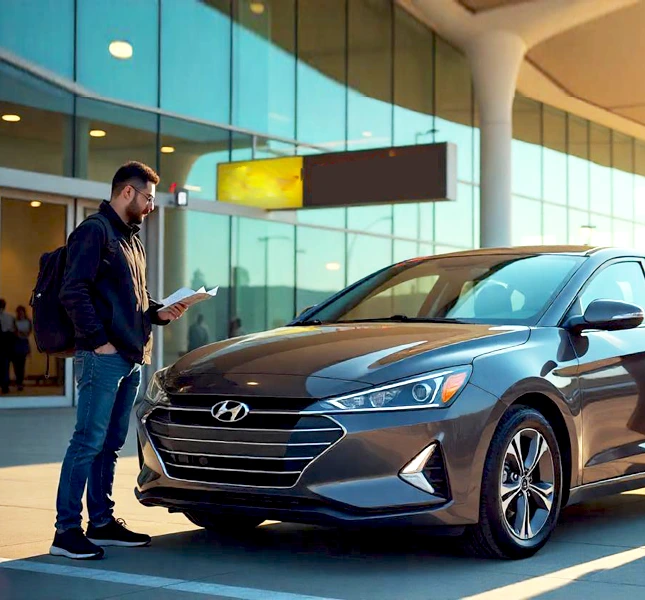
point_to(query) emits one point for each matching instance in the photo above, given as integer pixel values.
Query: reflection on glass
(264, 274)
(369, 74)
(526, 149)
(554, 136)
(264, 67)
(41, 32)
(600, 174)
(196, 58)
(39, 135)
(126, 134)
(196, 253)
(320, 265)
(454, 106)
(321, 73)
(413, 80)
(527, 222)
(103, 71)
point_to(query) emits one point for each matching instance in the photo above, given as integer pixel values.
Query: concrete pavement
(598, 549)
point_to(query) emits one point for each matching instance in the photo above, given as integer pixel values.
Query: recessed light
(36, 203)
(11, 118)
(98, 133)
(257, 8)
(367, 134)
(120, 49)
(252, 383)
(167, 149)
(332, 266)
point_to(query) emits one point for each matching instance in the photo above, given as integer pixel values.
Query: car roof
(604, 252)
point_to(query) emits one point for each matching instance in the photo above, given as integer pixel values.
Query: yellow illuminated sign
(269, 184)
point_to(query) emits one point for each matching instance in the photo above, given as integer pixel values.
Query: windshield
(493, 289)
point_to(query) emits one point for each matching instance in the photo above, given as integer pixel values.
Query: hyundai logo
(229, 411)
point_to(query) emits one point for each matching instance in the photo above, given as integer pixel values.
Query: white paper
(188, 296)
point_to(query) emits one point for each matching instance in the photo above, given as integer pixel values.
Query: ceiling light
(36, 203)
(11, 118)
(193, 188)
(332, 266)
(120, 49)
(367, 134)
(257, 8)
(167, 149)
(97, 133)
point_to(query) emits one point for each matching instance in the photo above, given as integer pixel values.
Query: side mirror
(607, 315)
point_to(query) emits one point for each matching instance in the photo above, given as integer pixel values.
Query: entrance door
(30, 224)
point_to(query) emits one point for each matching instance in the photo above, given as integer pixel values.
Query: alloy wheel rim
(527, 487)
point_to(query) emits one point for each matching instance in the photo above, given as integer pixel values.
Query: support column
(495, 58)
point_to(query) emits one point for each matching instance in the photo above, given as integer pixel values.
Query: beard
(134, 213)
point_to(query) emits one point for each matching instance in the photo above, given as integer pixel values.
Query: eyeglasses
(149, 197)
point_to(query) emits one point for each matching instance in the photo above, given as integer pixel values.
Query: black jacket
(104, 290)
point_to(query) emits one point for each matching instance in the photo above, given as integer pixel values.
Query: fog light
(412, 473)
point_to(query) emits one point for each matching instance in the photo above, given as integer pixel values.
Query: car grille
(265, 449)
(435, 472)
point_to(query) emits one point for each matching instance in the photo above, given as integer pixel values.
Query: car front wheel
(521, 487)
(223, 524)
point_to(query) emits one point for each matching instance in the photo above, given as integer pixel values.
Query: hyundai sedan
(474, 393)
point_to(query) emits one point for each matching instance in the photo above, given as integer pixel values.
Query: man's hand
(173, 312)
(106, 349)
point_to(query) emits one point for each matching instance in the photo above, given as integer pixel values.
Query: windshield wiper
(403, 319)
(307, 322)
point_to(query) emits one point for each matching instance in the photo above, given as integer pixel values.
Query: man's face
(142, 202)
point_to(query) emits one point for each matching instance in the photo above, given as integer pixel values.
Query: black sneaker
(73, 544)
(116, 534)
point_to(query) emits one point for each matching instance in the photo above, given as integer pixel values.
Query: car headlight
(435, 390)
(155, 392)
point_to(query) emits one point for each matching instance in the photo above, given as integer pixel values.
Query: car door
(612, 378)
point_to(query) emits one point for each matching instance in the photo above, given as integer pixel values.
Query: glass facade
(185, 85)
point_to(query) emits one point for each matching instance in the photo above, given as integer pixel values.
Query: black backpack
(53, 329)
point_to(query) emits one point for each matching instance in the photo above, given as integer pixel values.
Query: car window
(620, 281)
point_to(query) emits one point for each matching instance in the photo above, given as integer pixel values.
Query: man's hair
(3, 304)
(133, 173)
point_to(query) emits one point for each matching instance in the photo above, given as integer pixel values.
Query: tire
(503, 533)
(223, 524)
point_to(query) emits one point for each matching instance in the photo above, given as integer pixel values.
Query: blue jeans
(107, 389)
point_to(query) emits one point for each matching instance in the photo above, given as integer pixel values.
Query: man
(7, 329)
(197, 334)
(105, 294)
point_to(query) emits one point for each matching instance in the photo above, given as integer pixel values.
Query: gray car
(475, 393)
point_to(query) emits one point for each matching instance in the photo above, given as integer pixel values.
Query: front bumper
(354, 479)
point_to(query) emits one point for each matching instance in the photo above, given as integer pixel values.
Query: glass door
(30, 225)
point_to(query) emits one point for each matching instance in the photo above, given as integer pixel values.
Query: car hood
(320, 361)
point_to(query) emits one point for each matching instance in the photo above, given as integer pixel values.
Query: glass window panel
(526, 147)
(554, 170)
(413, 80)
(99, 24)
(264, 273)
(639, 237)
(580, 229)
(330, 217)
(369, 74)
(264, 67)
(426, 249)
(366, 254)
(454, 105)
(406, 220)
(476, 216)
(191, 240)
(623, 233)
(41, 32)
(600, 177)
(190, 154)
(601, 233)
(578, 163)
(196, 58)
(622, 281)
(42, 139)
(127, 134)
(623, 176)
(639, 181)
(527, 222)
(555, 224)
(426, 221)
(372, 219)
(320, 265)
(321, 73)
(454, 220)
(403, 250)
